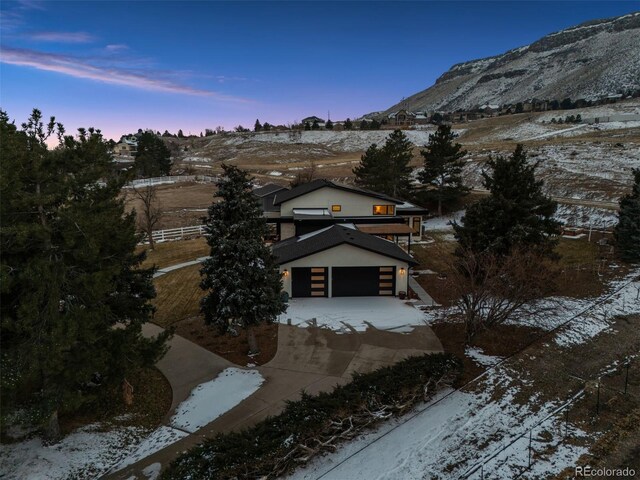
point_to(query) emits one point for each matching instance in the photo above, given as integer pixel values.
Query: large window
(384, 209)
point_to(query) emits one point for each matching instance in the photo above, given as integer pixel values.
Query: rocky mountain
(591, 60)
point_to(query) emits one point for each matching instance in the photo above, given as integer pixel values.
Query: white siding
(353, 204)
(347, 256)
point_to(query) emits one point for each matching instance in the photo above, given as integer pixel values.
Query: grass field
(172, 253)
(178, 296)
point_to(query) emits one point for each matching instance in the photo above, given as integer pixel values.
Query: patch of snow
(336, 313)
(152, 471)
(478, 356)
(159, 439)
(443, 222)
(275, 173)
(211, 399)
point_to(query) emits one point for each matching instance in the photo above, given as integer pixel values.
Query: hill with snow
(591, 60)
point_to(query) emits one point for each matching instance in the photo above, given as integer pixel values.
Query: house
(127, 147)
(322, 203)
(401, 118)
(341, 261)
(310, 120)
(341, 240)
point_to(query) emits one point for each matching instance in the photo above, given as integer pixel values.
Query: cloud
(61, 37)
(81, 68)
(116, 47)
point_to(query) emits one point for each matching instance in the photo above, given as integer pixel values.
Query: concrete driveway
(349, 313)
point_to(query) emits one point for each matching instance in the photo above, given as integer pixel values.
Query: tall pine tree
(442, 171)
(386, 169)
(73, 298)
(515, 214)
(153, 158)
(627, 231)
(242, 283)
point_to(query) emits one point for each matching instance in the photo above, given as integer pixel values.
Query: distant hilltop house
(310, 120)
(407, 118)
(127, 147)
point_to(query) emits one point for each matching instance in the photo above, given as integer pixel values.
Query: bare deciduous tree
(305, 176)
(151, 210)
(493, 289)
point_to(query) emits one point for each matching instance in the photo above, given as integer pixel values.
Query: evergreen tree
(348, 124)
(180, 134)
(364, 125)
(153, 158)
(315, 125)
(242, 283)
(375, 125)
(627, 231)
(386, 170)
(307, 126)
(515, 214)
(369, 172)
(266, 127)
(329, 125)
(257, 127)
(443, 165)
(73, 298)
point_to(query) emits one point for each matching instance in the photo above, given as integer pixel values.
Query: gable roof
(268, 189)
(333, 236)
(322, 183)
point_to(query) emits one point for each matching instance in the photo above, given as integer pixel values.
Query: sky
(120, 66)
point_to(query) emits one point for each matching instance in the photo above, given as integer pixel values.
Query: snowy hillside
(591, 60)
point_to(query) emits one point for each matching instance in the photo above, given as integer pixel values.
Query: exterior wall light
(402, 271)
(285, 272)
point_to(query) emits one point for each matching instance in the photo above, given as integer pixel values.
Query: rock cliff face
(591, 60)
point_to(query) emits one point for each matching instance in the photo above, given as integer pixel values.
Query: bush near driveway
(316, 424)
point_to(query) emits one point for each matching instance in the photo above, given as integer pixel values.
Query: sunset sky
(120, 66)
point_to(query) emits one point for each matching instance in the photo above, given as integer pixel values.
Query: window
(417, 225)
(384, 209)
(336, 208)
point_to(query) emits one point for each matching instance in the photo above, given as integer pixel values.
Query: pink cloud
(61, 37)
(79, 68)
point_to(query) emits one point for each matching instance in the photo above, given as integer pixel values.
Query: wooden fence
(172, 234)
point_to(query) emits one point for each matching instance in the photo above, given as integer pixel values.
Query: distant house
(310, 120)
(401, 118)
(127, 147)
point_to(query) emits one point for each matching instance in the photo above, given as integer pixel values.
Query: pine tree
(257, 127)
(348, 124)
(242, 283)
(369, 173)
(307, 126)
(627, 231)
(329, 125)
(153, 158)
(180, 134)
(386, 170)
(515, 214)
(73, 298)
(315, 125)
(443, 164)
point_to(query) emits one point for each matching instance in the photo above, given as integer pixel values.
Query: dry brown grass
(178, 296)
(172, 253)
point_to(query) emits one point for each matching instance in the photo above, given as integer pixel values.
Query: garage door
(309, 282)
(363, 281)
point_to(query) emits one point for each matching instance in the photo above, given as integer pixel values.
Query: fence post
(530, 440)
(181, 232)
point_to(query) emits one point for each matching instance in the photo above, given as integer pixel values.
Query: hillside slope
(591, 60)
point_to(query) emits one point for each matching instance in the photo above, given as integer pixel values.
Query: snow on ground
(585, 217)
(478, 356)
(96, 449)
(211, 399)
(443, 222)
(384, 313)
(160, 438)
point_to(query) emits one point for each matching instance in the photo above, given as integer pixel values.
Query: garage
(309, 282)
(362, 281)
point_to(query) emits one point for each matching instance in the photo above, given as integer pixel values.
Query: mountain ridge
(590, 60)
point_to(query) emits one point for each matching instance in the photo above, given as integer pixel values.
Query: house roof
(333, 236)
(410, 208)
(322, 183)
(312, 118)
(268, 189)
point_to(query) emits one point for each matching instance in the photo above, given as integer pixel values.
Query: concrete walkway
(425, 298)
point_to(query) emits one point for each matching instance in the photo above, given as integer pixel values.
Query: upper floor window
(384, 209)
